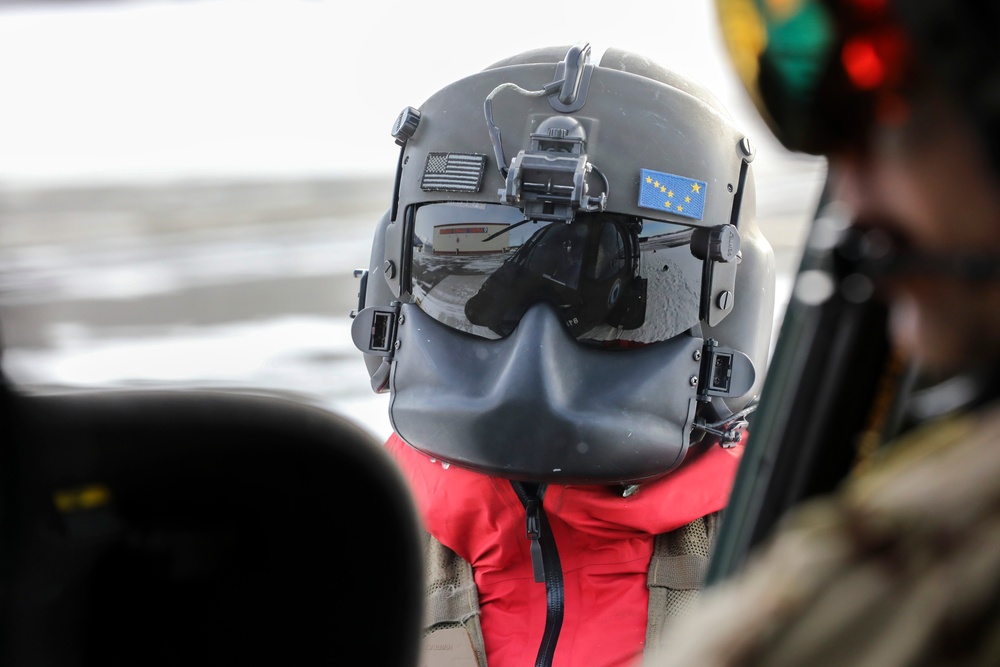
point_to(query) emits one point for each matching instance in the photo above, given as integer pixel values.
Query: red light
(862, 63)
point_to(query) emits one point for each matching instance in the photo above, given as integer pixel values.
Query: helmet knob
(724, 243)
(405, 125)
(719, 244)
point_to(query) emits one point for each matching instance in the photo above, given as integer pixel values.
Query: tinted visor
(821, 72)
(478, 268)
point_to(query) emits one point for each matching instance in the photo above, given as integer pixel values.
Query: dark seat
(194, 527)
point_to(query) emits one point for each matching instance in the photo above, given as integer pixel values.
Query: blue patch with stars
(672, 193)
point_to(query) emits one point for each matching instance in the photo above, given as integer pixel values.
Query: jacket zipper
(546, 566)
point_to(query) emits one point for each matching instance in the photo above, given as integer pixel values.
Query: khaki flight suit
(901, 567)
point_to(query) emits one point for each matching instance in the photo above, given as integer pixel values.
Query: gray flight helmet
(553, 134)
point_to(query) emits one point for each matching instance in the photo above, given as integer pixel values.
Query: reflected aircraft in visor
(478, 267)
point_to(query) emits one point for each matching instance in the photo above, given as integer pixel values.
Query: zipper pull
(534, 533)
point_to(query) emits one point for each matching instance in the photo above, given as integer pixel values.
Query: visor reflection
(478, 268)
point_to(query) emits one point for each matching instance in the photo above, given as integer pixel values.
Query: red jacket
(604, 542)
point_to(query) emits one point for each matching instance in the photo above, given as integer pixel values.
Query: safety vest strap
(676, 573)
(453, 634)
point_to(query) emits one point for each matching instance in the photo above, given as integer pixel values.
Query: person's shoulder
(876, 569)
(939, 476)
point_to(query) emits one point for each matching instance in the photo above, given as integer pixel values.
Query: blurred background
(186, 187)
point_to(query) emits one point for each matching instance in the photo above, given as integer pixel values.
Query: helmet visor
(478, 267)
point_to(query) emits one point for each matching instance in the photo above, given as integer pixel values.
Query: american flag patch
(454, 172)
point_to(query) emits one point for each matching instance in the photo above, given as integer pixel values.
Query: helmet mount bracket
(567, 92)
(549, 180)
(719, 248)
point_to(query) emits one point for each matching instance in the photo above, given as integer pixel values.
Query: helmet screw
(725, 300)
(697, 355)
(398, 342)
(389, 269)
(694, 380)
(400, 320)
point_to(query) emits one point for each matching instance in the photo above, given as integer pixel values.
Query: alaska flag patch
(453, 172)
(672, 193)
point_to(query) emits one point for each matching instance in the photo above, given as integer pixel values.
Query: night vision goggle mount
(548, 181)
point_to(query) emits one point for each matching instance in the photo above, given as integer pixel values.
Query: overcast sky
(141, 89)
